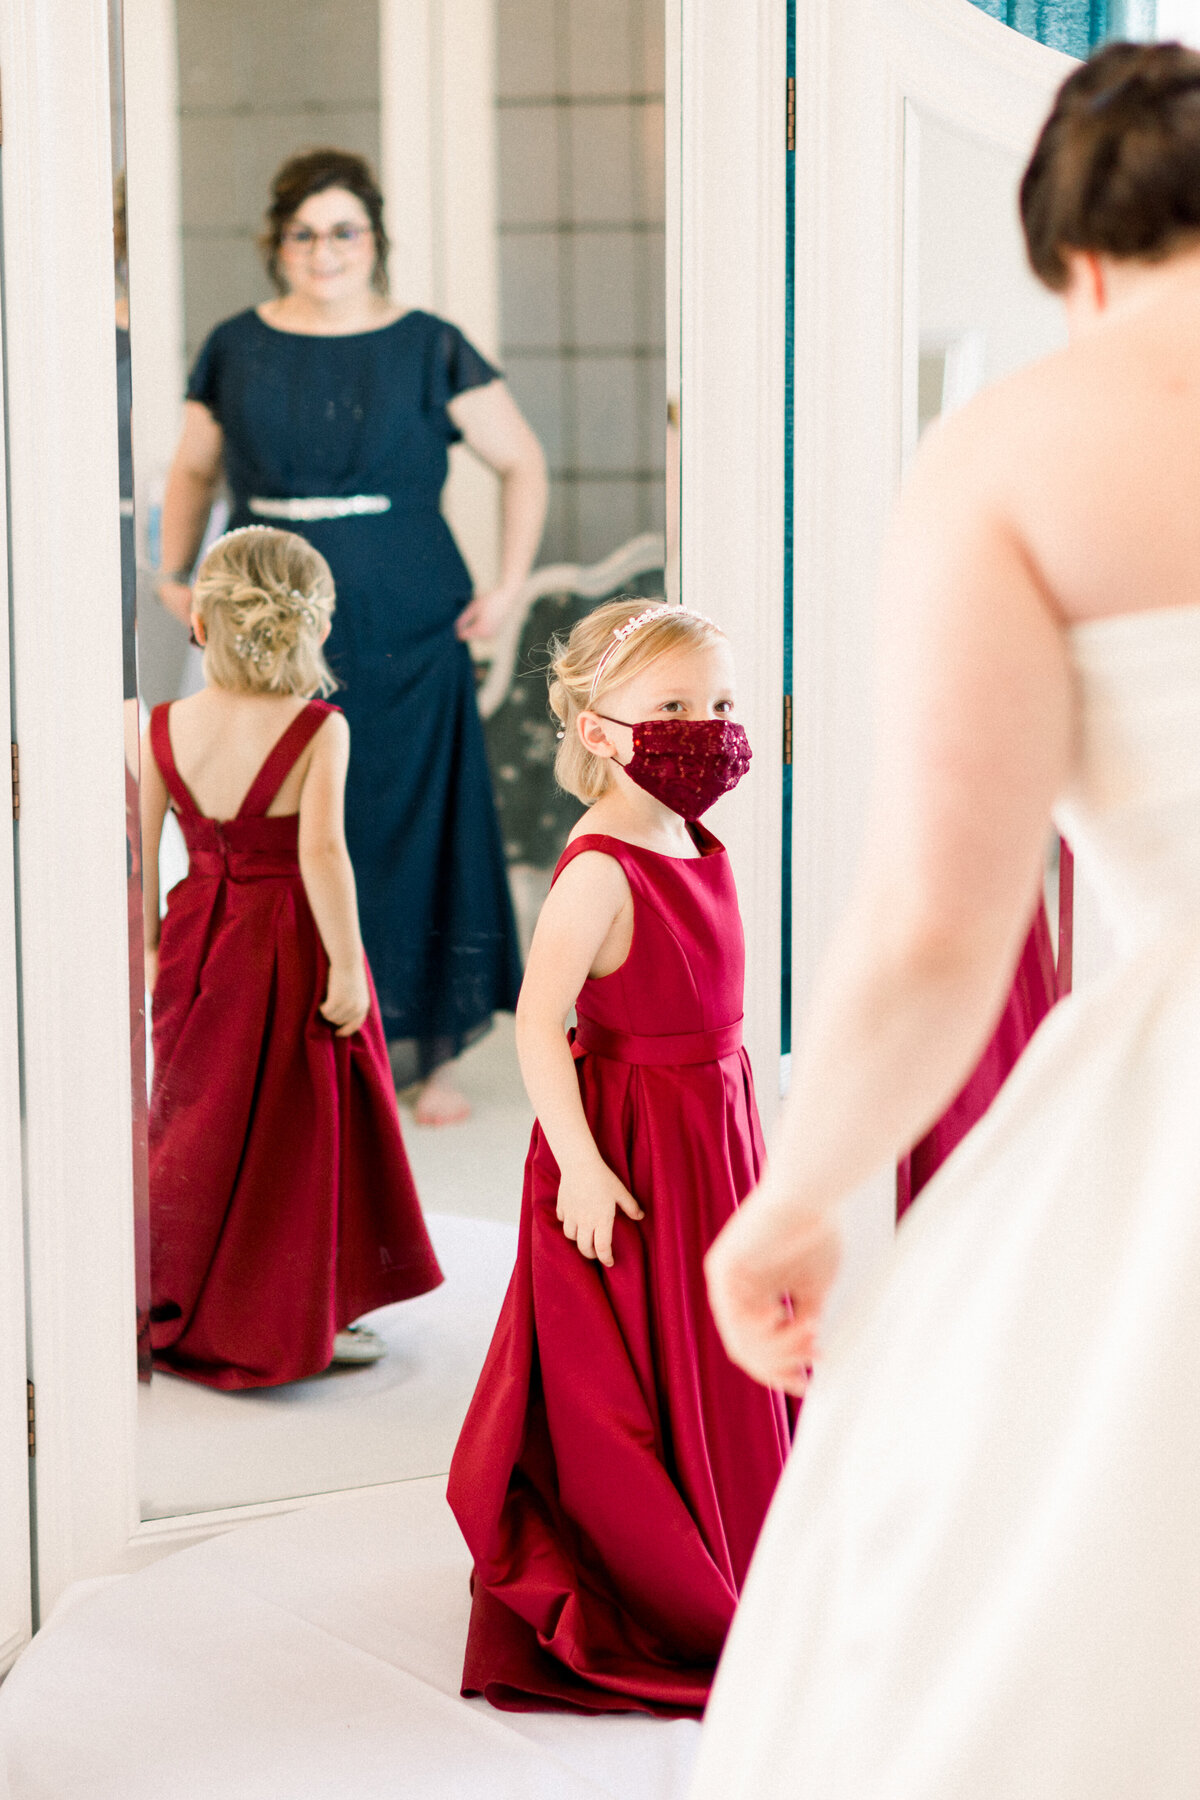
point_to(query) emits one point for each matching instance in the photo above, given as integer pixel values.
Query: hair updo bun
(265, 597)
(1116, 169)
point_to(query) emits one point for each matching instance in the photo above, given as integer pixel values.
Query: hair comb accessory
(621, 632)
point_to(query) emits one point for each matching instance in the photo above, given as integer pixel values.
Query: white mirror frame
(65, 548)
(860, 64)
(15, 1565)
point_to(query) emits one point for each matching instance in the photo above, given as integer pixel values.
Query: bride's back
(1097, 450)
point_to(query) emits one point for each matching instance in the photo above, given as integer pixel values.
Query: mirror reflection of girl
(614, 1466)
(331, 408)
(281, 1203)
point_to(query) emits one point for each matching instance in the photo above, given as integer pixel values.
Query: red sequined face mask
(686, 763)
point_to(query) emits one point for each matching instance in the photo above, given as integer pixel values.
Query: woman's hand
(151, 955)
(176, 597)
(486, 613)
(769, 1275)
(587, 1206)
(347, 999)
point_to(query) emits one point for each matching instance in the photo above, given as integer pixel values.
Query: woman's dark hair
(313, 172)
(1116, 169)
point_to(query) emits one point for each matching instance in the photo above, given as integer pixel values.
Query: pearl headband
(621, 632)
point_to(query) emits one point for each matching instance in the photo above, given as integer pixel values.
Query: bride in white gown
(980, 1579)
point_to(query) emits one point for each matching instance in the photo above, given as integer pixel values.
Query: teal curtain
(1075, 26)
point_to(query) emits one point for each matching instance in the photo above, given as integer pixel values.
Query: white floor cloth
(315, 1656)
(394, 1420)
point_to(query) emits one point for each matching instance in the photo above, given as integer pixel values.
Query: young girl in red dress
(281, 1203)
(614, 1468)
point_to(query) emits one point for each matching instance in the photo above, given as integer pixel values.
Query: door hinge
(787, 731)
(31, 1418)
(16, 781)
(791, 112)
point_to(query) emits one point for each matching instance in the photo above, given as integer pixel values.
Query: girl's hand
(486, 613)
(587, 1206)
(151, 954)
(769, 1275)
(176, 596)
(347, 1000)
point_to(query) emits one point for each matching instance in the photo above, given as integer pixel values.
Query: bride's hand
(769, 1275)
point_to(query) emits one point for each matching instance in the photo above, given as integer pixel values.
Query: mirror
(523, 168)
(974, 312)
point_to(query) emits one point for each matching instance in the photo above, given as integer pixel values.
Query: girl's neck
(364, 311)
(626, 812)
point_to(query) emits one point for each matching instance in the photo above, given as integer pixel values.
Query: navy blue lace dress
(365, 415)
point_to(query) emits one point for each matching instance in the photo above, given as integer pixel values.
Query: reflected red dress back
(281, 1201)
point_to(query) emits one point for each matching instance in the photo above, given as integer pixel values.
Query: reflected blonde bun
(265, 597)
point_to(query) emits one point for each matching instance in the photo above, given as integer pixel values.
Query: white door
(14, 1443)
(876, 79)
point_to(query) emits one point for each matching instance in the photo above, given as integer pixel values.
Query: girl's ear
(326, 628)
(593, 736)
(198, 631)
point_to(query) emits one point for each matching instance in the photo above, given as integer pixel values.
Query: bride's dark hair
(1116, 168)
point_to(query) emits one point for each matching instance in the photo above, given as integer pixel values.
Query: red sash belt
(658, 1052)
(242, 865)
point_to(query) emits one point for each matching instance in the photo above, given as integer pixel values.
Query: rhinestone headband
(621, 632)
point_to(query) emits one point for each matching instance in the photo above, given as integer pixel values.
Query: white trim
(66, 577)
(732, 344)
(15, 1572)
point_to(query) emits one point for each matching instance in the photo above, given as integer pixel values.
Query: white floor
(314, 1656)
(394, 1420)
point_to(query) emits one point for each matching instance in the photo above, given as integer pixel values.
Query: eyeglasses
(304, 239)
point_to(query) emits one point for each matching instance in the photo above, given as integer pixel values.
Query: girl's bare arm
(580, 911)
(328, 877)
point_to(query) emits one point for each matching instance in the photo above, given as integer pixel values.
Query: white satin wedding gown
(980, 1578)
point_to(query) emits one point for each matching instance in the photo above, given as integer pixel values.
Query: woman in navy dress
(330, 410)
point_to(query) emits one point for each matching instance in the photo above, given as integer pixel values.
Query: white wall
(973, 276)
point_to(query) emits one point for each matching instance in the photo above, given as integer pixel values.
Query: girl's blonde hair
(609, 646)
(265, 597)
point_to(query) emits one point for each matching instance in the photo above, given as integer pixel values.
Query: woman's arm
(154, 801)
(329, 879)
(495, 429)
(974, 727)
(191, 487)
(580, 911)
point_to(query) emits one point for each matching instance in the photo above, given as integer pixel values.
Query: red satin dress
(281, 1202)
(615, 1467)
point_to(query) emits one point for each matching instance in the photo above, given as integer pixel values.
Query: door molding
(859, 63)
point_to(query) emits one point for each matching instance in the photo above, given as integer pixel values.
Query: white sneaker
(358, 1345)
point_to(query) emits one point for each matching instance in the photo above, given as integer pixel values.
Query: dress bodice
(1132, 811)
(686, 964)
(361, 413)
(254, 845)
